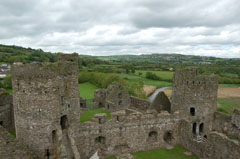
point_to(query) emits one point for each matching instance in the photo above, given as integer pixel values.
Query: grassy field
(176, 153)
(131, 78)
(88, 114)
(229, 85)
(87, 90)
(166, 75)
(227, 105)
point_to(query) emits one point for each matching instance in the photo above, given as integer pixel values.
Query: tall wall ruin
(195, 97)
(46, 105)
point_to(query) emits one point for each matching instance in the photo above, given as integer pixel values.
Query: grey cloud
(123, 27)
(185, 13)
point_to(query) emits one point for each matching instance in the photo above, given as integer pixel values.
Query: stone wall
(6, 110)
(227, 124)
(125, 134)
(46, 104)
(117, 98)
(10, 148)
(161, 103)
(114, 98)
(100, 98)
(215, 145)
(141, 105)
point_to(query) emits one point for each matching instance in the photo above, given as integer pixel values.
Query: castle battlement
(190, 78)
(43, 70)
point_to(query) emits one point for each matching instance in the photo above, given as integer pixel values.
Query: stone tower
(46, 105)
(195, 97)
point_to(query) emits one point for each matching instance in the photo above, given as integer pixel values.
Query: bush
(136, 89)
(7, 82)
(152, 76)
(101, 80)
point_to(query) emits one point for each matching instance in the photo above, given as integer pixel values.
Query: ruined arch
(152, 136)
(168, 136)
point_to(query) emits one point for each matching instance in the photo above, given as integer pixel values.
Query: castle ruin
(47, 116)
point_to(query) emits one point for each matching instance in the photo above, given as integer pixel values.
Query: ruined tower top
(194, 94)
(66, 64)
(67, 57)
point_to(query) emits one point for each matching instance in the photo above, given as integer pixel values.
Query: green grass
(113, 157)
(13, 133)
(10, 91)
(87, 90)
(227, 105)
(176, 153)
(131, 78)
(88, 114)
(229, 85)
(165, 75)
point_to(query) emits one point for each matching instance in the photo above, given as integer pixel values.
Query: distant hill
(171, 58)
(10, 54)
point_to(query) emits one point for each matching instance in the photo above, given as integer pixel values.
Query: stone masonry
(6, 110)
(46, 105)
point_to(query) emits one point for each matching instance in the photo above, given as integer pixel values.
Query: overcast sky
(113, 27)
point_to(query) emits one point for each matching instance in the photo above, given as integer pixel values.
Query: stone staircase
(199, 138)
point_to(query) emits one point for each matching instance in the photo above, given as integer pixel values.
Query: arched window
(120, 95)
(152, 136)
(120, 103)
(201, 128)
(54, 137)
(192, 111)
(100, 140)
(168, 136)
(194, 128)
(100, 105)
(63, 122)
(47, 154)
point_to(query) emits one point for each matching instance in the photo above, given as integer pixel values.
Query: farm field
(131, 78)
(165, 75)
(176, 153)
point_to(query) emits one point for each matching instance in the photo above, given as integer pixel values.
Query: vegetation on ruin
(176, 153)
(13, 133)
(87, 115)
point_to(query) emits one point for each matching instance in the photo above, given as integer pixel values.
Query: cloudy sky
(113, 27)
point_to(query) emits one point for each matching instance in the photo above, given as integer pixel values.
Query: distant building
(17, 63)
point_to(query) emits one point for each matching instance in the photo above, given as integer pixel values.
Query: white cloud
(106, 27)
